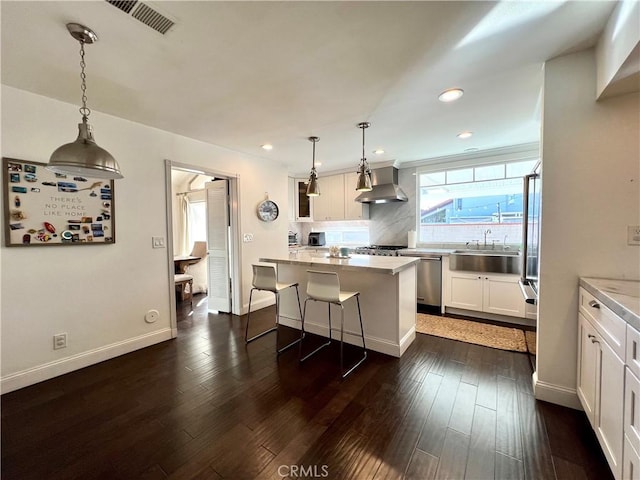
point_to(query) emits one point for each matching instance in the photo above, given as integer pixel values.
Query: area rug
(503, 338)
(531, 342)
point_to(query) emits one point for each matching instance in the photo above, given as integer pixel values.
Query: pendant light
(313, 189)
(83, 156)
(364, 172)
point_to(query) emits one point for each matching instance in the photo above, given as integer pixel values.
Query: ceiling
(242, 74)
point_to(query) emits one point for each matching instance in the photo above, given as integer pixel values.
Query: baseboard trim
(353, 338)
(548, 392)
(259, 304)
(34, 375)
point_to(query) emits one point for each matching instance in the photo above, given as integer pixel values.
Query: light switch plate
(157, 242)
(633, 235)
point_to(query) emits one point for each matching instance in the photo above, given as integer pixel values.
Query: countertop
(426, 251)
(620, 296)
(373, 263)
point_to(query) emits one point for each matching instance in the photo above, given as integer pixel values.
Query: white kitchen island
(387, 287)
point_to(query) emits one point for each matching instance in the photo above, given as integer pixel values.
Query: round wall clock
(268, 211)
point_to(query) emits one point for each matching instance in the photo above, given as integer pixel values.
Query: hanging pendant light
(84, 157)
(364, 172)
(313, 189)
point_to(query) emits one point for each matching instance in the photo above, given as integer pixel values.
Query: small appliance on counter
(316, 239)
(293, 238)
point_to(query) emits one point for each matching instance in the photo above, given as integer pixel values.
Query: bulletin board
(43, 208)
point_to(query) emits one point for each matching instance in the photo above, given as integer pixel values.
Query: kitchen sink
(509, 253)
(490, 261)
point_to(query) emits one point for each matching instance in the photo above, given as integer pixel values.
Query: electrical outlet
(633, 235)
(157, 242)
(247, 237)
(59, 341)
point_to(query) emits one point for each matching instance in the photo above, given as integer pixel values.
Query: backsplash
(390, 222)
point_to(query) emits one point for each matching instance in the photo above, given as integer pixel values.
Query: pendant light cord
(84, 110)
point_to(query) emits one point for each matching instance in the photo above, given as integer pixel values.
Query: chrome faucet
(504, 243)
(486, 232)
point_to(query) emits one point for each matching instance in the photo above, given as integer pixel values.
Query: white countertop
(620, 296)
(373, 263)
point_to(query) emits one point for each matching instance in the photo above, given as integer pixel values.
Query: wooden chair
(184, 286)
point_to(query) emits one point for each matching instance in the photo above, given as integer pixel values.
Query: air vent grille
(124, 5)
(144, 13)
(153, 19)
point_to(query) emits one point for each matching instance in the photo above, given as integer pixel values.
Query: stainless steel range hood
(385, 187)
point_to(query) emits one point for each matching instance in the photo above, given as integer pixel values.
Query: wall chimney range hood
(385, 187)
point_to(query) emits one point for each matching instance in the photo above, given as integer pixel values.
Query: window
(464, 204)
(197, 222)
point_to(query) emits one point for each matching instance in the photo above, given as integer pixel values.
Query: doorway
(202, 209)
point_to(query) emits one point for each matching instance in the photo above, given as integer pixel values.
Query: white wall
(590, 193)
(98, 295)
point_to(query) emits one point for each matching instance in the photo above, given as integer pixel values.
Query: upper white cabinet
(300, 206)
(353, 210)
(330, 204)
(336, 200)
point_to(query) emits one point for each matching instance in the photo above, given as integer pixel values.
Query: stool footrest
(255, 337)
(315, 351)
(355, 365)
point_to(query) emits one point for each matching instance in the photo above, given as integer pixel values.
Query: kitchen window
(461, 205)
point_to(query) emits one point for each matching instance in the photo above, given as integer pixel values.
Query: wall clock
(268, 211)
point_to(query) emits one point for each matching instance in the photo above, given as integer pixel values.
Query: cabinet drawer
(609, 325)
(631, 462)
(633, 350)
(632, 409)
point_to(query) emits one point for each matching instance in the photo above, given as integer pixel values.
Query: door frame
(234, 241)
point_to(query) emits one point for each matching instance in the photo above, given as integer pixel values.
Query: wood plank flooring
(207, 406)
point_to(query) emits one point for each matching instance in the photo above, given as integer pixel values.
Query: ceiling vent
(145, 14)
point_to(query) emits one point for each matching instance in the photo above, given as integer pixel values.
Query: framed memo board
(42, 208)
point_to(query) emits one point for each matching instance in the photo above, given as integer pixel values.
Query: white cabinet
(329, 205)
(353, 210)
(601, 375)
(465, 291)
(631, 462)
(631, 459)
(491, 293)
(300, 206)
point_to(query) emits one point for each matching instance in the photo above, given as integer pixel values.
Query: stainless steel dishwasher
(429, 282)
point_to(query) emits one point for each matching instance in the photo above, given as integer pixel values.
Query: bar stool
(325, 287)
(265, 278)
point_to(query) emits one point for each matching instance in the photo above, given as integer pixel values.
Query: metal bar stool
(325, 287)
(265, 278)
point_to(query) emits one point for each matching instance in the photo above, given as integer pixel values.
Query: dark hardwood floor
(206, 406)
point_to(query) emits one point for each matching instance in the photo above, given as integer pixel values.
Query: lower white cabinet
(631, 462)
(491, 293)
(601, 379)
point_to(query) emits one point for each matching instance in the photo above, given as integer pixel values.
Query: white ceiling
(241, 74)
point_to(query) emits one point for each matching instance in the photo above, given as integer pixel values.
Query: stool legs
(302, 333)
(246, 332)
(275, 328)
(343, 372)
(364, 348)
(286, 347)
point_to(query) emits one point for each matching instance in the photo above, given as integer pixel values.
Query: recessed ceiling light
(267, 146)
(379, 151)
(450, 95)
(465, 134)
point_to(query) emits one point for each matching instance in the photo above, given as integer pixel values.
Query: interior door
(218, 245)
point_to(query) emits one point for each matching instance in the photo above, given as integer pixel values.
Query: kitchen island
(387, 287)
